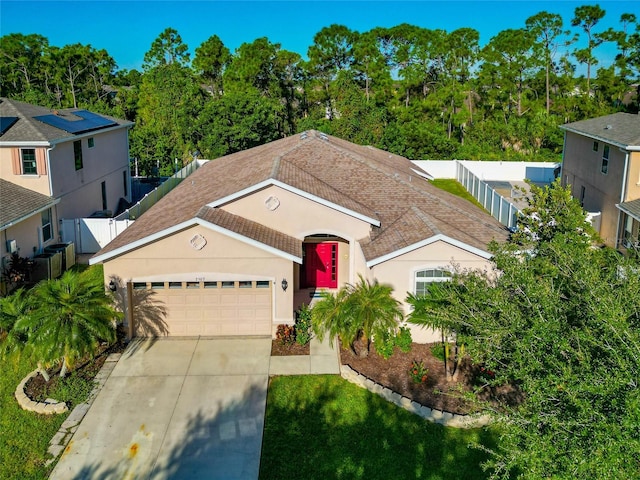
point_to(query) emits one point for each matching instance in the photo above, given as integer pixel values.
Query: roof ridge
(431, 195)
(275, 167)
(327, 185)
(421, 215)
(397, 177)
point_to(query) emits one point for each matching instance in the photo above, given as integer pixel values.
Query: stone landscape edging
(48, 407)
(447, 419)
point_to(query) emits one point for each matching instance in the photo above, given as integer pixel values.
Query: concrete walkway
(322, 358)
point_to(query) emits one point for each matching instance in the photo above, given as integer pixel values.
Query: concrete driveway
(173, 409)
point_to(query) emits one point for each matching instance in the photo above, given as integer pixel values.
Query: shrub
(403, 339)
(303, 325)
(437, 350)
(385, 344)
(418, 372)
(285, 334)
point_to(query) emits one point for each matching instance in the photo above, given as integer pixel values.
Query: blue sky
(126, 29)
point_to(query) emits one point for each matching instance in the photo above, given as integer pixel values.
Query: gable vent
(303, 135)
(323, 136)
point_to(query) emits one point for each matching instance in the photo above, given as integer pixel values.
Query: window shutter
(41, 161)
(15, 161)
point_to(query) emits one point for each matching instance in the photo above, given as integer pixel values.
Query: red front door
(321, 265)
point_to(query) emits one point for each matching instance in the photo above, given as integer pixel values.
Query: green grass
(24, 436)
(456, 188)
(321, 426)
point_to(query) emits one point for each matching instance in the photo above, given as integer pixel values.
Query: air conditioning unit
(46, 266)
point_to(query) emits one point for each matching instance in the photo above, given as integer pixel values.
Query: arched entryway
(325, 266)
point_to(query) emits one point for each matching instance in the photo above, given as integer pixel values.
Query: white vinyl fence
(500, 208)
(91, 234)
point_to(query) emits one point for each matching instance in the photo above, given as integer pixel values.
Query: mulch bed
(437, 392)
(36, 388)
(280, 349)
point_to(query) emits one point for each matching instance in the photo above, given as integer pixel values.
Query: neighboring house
(76, 159)
(601, 164)
(243, 242)
(27, 219)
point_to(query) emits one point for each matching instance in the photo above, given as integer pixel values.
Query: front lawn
(24, 436)
(321, 426)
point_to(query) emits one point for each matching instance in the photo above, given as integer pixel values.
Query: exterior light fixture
(112, 286)
(285, 284)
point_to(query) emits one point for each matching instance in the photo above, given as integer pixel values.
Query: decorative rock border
(63, 436)
(437, 416)
(48, 407)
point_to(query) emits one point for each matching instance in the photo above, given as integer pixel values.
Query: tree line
(421, 93)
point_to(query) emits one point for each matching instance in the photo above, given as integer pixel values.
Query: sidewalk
(322, 359)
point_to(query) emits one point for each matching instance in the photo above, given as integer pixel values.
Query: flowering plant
(418, 372)
(286, 334)
(487, 374)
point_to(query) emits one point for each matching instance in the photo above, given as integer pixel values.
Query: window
(29, 166)
(125, 184)
(210, 284)
(77, 154)
(193, 284)
(175, 285)
(262, 284)
(47, 230)
(628, 240)
(595, 146)
(157, 285)
(103, 188)
(245, 284)
(90, 142)
(139, 285)
(605, 160)
(228, 284)
(424, 278)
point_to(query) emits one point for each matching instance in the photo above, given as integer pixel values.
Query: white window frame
(46, 226)
(425, 281)
(604, 168)
(22, 160)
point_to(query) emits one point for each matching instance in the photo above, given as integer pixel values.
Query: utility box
(68, 253)
(46, 266)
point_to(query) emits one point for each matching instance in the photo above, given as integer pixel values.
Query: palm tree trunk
(43, 372)
(63, 370)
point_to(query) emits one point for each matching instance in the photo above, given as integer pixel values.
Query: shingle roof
(632, 208)
(18, 203)
(28, 129)
(619, 128)
(370, 182)
(252, 230)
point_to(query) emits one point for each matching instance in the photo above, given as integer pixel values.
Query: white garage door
(203, 308)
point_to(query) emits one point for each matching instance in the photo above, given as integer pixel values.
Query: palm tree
(330, 317)
(362, 310)
(12, 309)
(374, 308)
(70, 316)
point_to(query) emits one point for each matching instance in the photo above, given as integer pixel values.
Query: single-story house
(248, 238)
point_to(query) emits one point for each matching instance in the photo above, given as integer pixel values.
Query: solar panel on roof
(90, 121)
(6, 123)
